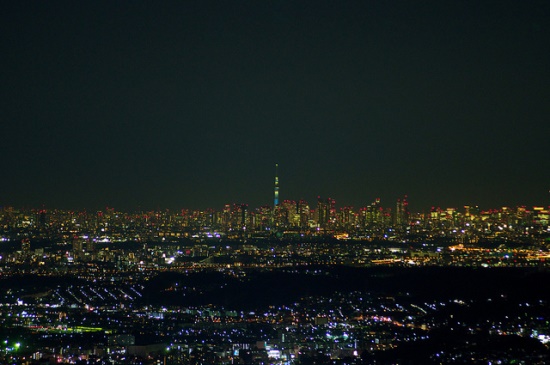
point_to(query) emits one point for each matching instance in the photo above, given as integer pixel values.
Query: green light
(17, 345)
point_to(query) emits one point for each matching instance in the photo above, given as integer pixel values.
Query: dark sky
(190, 104)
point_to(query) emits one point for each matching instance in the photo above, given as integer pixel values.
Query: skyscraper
(401, 212)
(326, 212)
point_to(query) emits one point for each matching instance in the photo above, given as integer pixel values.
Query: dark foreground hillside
(262, 288)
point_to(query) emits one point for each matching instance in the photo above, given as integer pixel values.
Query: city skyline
(274, 182)
(145, 105)
(389, 205)
(277, 202)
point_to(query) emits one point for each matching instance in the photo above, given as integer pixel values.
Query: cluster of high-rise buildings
(284, 217)
(288, 218)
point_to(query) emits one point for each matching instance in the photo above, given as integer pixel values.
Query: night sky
(146, 105)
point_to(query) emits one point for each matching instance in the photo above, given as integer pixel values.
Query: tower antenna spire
(276, 197)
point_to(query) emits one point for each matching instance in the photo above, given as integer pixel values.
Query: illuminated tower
(276, 200)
